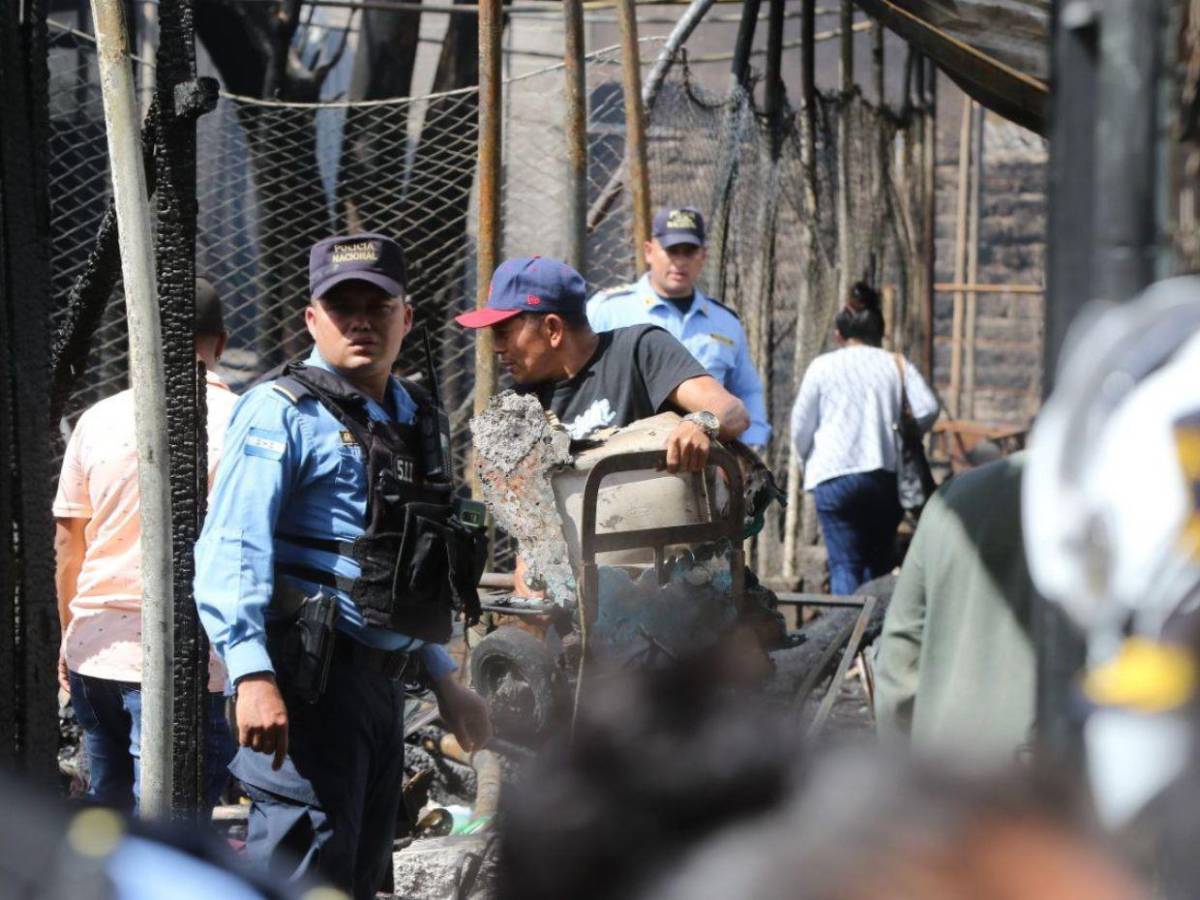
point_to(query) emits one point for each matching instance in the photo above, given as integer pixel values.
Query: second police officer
(330, 555)
(667, 296)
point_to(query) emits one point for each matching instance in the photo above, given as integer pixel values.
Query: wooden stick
(976, 200)
(964, 287)
(960, 256)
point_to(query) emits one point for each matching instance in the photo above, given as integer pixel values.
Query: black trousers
(331, 809)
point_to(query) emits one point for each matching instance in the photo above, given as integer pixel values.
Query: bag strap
(905, 409)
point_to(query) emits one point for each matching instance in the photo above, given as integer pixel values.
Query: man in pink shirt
(98, 550)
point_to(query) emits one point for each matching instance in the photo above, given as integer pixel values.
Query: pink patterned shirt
(99, 483)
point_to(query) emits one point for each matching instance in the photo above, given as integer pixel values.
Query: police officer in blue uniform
(330, 556)
(667, 296)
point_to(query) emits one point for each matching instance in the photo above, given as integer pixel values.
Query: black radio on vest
(418, 561)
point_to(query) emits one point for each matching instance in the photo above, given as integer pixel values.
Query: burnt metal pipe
(130, 199)
(575, 126)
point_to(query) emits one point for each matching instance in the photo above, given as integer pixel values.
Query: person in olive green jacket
(955, 667)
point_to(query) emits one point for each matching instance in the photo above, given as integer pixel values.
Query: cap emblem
(533, 301)
(682, 219)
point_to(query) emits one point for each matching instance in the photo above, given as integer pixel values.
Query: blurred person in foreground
(671, 790)
(843, 426)
(98, 577)
(1111, 501)
(955, 668)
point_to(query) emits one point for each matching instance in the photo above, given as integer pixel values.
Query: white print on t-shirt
(598, 415)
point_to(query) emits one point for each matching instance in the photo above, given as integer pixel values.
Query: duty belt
(389, 663)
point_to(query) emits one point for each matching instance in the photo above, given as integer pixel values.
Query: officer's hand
(687, 448)
(262, 720)
(465, 712)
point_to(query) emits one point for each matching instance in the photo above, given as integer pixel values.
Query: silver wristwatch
(707, 421)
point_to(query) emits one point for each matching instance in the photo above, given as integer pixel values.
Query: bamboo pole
(966, 288)
(147, 377)
(635, 131)
(929, 100)
(960, 255)
(794, 514)
(575, 126)
(973, 259)
(846, 70)
(487, 253)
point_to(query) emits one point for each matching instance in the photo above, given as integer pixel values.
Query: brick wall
(1012, 251)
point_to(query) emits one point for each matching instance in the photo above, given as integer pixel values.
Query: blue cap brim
(393, 288)
(675, 238)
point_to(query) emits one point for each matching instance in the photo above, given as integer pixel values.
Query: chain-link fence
(274, 177)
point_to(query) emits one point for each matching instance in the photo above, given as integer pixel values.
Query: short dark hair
(861, 318)
(210, 317)
(575, 320)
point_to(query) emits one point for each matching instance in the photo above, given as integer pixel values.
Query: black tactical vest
(419, 563)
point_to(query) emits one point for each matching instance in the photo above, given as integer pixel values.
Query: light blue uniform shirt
(712, 334)
(286, 466)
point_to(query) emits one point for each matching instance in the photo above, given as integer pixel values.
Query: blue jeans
(858, 515)
(110, 714)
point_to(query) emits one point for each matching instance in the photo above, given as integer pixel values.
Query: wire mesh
(273, 178)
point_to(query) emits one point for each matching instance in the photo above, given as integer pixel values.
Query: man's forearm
(69, 550)
(733, 418)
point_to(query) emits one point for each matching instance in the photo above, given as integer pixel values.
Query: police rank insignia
(682, 219)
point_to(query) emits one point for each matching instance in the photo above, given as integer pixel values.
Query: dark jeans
(858, 515)
(331, 809)
(110, 714)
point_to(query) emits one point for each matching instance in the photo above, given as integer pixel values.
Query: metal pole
(488, 236)
(846, 66)
(877, 62)
(1070, 279)
(1126, 147)
(635, 131)
(575, 125)
(121, 114)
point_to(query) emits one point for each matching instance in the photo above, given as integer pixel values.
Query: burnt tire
(514, 672)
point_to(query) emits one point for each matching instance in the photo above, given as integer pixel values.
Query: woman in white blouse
(842, 425)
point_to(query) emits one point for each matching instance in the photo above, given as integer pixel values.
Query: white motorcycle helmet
(1111, 519)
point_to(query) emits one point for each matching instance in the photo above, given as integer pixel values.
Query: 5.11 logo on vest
(406, 469)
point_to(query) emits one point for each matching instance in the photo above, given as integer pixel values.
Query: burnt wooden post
(28, 615)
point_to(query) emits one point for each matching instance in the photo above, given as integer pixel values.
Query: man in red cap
(537, 312)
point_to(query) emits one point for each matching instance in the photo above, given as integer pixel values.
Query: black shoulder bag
(914, 480)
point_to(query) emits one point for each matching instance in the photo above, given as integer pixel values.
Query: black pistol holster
(419, 562)
(306, 646)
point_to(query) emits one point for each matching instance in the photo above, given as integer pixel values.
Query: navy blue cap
(682, 225)
(372, 258)
(529, 284)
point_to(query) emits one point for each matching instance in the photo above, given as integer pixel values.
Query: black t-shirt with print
(629, 377)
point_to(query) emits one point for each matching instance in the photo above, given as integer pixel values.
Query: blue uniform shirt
(712, 333)
(286, 465)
